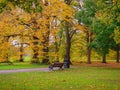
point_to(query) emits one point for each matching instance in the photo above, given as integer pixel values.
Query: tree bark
(6, 39)
(68, 46)
(89, 50)
(88, 55)
(68, 41)
(104, 58)
(45, 60)
(35, 50)
(21, 53)
(35, 57)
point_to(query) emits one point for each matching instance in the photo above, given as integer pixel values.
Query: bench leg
(61, 68)
(50, 68)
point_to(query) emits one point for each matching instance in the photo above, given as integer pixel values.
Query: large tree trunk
(68, 46)
(67, 60)
(117, 55)
(104, 58)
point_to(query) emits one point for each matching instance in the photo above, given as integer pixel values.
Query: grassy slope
(80, 78)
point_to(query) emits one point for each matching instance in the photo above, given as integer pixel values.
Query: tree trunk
(88, 55)
(67, 61)
(45, 60)
(117, 55)
(35, 50)
(6, 39)
(89, 40)
(45, 43)
(35, 57)
(21, 53)
(68, 46)
(104, 58)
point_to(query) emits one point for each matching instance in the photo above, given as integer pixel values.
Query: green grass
(5, 66)
(80, 78)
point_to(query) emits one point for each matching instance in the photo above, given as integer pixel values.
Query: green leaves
(117, 35)
(29, 6)
(2, 5)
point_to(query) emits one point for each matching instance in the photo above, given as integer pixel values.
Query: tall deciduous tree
(109, 15)
(86, 16)
(70, 29)
(101, 43)
(9, 27)
(54, 13)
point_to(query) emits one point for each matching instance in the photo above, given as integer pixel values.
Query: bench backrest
(57, 64)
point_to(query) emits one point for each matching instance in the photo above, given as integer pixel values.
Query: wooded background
(45, 31)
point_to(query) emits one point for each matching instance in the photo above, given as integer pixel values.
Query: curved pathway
(24, 70)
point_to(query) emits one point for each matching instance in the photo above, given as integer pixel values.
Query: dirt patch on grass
(99, 64)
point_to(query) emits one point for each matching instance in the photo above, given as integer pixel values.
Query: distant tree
(86, 16)
(109, 15)
(101, 43)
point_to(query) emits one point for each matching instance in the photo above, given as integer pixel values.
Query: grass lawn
(6, 66)
(79, 78)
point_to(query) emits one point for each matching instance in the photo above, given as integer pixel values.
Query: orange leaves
(23, 27)
(59, 10)
(4, 50)
(51, 17)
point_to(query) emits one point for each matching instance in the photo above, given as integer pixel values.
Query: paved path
(24, 70)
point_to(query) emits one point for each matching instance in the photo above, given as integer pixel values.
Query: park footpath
(24, 70)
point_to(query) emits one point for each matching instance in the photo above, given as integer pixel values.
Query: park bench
(56, 64)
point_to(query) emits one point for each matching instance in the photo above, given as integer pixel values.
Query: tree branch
(72, 33)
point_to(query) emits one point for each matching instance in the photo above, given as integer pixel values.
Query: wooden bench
(56, 64)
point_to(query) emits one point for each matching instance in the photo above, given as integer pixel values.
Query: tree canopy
(59, 30)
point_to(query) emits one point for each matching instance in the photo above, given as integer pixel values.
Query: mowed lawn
(6, 66)
(77, 78)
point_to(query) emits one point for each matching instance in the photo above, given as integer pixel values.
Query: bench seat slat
(56, 64)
